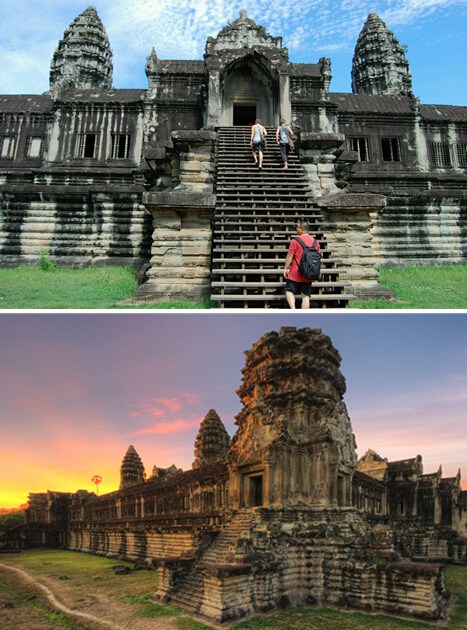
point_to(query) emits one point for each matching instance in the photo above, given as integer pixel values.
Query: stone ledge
(310, 140)
(352, 202)
(172, 563)
(179, 199)
(80, 189)
(225, 570)
(199, 135)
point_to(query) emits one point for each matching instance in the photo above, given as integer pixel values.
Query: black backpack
(310, 264)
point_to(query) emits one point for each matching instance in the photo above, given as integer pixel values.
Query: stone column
(181, 247)
(285, 106)
(214, 105)
(348, 222)
(318, 152)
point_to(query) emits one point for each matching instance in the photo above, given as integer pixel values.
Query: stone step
(256, 201)
(253, 260)
(260, 230)
(272, 285)
(333, 272)
(277, 214)
(251, 244)
(263, 193)
(328, 300)
(246, 183)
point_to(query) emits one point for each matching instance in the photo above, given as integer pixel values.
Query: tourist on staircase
(294, 281)
(284, 139)
(258, 142)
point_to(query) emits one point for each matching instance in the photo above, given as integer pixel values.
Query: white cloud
(178, 30)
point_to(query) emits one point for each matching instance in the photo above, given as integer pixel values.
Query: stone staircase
(225, 548)
(225, 552)
(255, 218)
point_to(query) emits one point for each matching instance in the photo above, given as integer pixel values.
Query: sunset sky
(77, 389)
(434, 32)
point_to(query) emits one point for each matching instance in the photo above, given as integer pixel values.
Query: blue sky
(433, 30)
(77, 389)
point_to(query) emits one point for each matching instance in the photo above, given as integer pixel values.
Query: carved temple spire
(294, 427)
(83, 58)
(379, 64)
(132, 469)
(212, 442)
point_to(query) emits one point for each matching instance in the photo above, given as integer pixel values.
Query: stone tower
(379, 64)
(212, 442)
(132, 469)
(83, 58)
(294, 445)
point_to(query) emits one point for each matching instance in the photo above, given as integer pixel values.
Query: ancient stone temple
(162, 178)
(284, 513)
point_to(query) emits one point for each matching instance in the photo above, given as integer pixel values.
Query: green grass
(41, 286)
(422, 288)
(44, 286)
(93, 574)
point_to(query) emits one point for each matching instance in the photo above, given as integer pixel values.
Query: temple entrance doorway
(248, 91)
(244, 114)
(256, 490)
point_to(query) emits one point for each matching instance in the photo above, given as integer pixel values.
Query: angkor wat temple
(281, 514)
(161, 177)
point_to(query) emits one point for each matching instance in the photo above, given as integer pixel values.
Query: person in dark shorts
(257, 142)
(283, 138)
(294, 281)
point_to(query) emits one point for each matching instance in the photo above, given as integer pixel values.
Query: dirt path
(113, 611)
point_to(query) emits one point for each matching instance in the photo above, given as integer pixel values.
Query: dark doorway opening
(244, 115)
(256, 488)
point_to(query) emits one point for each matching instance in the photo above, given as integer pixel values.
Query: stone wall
(422, 229)
(73, 228)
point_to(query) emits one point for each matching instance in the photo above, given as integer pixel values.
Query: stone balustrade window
(34, 147)
(440, 154)
(87, 145)
(391, 149)
(360, 146)
(7, 147)
(120, 146)
(461, 151)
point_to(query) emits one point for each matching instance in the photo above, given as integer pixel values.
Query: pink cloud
(173, 426)
(191, 397)
(156, 412)
(160, 407)
(172, 404)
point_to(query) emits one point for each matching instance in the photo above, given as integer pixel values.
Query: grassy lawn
(85, 582)
(33, 287)
(88, 584)
(422, 287)
(30, 287)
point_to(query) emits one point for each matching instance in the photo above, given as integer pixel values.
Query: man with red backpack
(301, 266)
